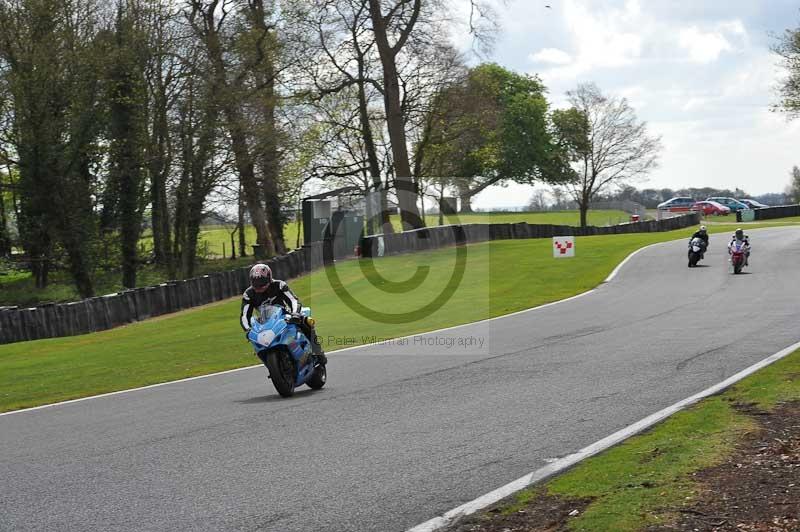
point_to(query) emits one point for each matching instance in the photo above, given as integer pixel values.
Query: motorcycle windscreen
(268, 313)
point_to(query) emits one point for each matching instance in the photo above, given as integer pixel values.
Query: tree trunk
(158, 170)
(404, 182)
(5, 238)
(192, 231)
(372, 154)
(126, 154)
(264, 74)
(234, 121)
(584, 209)
(445, 207)
(465, 197)
(240, 227)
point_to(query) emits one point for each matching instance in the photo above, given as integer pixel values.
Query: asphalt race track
(403, 433)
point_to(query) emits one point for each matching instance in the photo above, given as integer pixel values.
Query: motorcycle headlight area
(266, 337)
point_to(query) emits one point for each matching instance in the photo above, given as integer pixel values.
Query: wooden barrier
(128, 306)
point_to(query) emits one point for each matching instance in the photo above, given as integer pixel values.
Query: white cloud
(551, 55)
(703, 47)
(607, 39)
(701, 75)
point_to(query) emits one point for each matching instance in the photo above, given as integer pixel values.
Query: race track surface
(402, 433)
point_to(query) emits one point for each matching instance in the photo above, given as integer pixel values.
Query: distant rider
(702, 234)
(739, 236)
(264, 289)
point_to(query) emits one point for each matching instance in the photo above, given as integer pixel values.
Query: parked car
(753, 204)
(676, 204)
(732, 204)
(711, 207)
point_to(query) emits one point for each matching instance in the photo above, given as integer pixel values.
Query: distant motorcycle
(285, 350)
(738, 251)
(696, 251)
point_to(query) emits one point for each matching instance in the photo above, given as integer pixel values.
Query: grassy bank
(17, 287)
(208, 339)
(648, 479)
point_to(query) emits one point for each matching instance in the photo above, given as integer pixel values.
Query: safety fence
(783, 211)
(113, 310)
(449, 235)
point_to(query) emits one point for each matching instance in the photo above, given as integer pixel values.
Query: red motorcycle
(738, 251)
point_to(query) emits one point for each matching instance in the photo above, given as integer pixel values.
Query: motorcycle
(737, 250)
(285, 350)
(696, 251)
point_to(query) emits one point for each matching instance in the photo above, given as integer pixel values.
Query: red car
(710, 207)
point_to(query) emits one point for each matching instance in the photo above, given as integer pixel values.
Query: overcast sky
(700, 73)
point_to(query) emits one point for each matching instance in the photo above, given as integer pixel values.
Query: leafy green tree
(52, 57)
(492, 127)
(127, 131)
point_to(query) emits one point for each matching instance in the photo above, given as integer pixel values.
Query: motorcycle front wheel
(281, 371)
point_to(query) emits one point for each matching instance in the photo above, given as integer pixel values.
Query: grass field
(18, 289)
(630, 484)
(215, 236)
(208, 339)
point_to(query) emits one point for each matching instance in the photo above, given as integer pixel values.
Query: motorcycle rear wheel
(281, 371)
(319, 378)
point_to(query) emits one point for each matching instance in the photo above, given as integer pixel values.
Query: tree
(165, 74)
(605, 143)
(788, 48)
(208, 20)
(127, 100)
(538, 201)
(53, 55)
(794, 186)
(492, 127)
(399, 21)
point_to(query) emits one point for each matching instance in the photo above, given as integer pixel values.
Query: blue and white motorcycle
(285, 350)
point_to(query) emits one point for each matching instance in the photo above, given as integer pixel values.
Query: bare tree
(793, 190)
(605, 142)
(399, 20)
(788, 48)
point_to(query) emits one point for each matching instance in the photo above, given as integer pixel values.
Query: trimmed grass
(208, 339)
(731, 220)
(212, 238)
(631, 482)
(18, 289)
(598, 218)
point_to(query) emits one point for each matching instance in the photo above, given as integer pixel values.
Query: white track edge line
(540, 307)
(558, 466)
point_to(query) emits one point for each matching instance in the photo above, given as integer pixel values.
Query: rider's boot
(318, 352)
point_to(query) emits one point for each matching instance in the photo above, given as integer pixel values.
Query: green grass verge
(597, 218)
(208, 339)
(17, 288)
(215, 240)
(632, 482)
